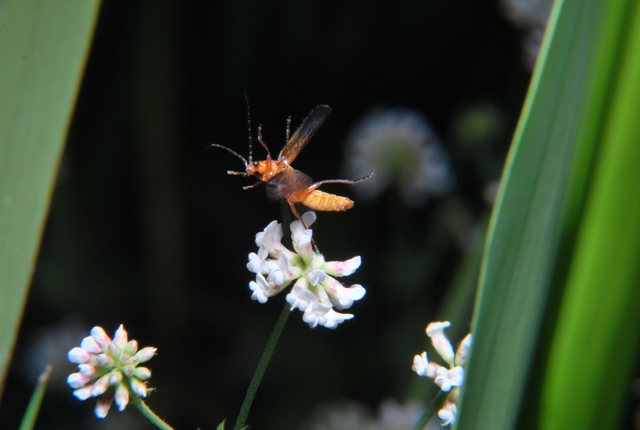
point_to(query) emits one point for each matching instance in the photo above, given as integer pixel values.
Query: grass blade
(43, 49)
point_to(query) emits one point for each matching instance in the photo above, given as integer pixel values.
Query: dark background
(146, 228)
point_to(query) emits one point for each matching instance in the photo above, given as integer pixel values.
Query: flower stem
(149, 414)
(262, 366)
(431, 410)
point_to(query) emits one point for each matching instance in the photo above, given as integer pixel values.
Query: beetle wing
(286, 183)
(304, 133)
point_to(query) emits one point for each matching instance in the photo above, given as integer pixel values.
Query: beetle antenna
(246, 164)
(249, 128)
(264, 145)
(288, 129)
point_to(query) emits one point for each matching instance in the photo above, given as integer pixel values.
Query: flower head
(315, 291)
(405, 152)
(448, 379)
(108, 369)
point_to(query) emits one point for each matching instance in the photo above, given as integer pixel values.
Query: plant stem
(149, 414)
(431, 410)
(262, 366)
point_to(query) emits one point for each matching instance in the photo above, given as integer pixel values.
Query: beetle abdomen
(325, 202)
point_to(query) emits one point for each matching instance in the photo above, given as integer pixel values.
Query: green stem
(431, 410)
(262, 366)
(149, 414)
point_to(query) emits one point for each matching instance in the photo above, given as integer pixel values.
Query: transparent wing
(304, 133)
(287, 183)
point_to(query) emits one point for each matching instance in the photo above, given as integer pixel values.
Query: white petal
(100, 386)
(146, 354)
(138, 387)
(131, 347)
(301, 238)
(340, 296)
(316, 276)
(261, 237)
(280, 273)
(434, 327)
(258, 292)
(276, 277)
(122, 397)
(83, 393)
(440, 342)
(105, 360)
(309, 218)
(121, 337)
(115, 377)
(142, 373)
(78, 355)
(420, 364)
(87, 370)
(448, 415)
(273, 238)
(300, 297)
(332, 319)
(90, 345)
(259, 288)
(100, 337)
(448, 378)
(463, 350)
(102, 407)
(316, 314)
(255, 263)
(77, 380)
(342, 268)
(456, 376)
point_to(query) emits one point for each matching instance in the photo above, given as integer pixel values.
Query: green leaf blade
(43, 49)
(533, 224)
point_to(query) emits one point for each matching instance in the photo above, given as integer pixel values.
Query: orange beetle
(285, 182)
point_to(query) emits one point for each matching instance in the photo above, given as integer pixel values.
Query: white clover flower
(404, 151)
(315, 291)
(108, 369)
(449, 409)
(448, 379)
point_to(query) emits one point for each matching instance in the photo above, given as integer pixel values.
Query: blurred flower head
(448, 379)
(108, 369)
(348, 414)
(49, 345)
(405, 153)
(531, 16)
(315, 292)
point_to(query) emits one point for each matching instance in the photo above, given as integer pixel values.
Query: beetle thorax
(265, 169)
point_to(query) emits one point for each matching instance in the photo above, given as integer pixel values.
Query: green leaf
(595, 348)
(43, 50)
(546, 184)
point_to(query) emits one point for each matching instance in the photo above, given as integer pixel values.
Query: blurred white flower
(108, 369)
(49, 345)
(403, 150)
(396, 416)
(351, 415)
(531, 16)
(448, 379)
(315, 292)
(449, 408)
